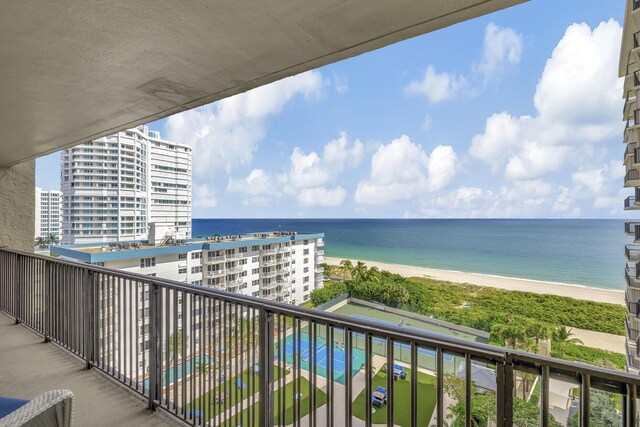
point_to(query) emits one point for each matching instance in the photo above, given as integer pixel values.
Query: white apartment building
(115, 186)
(280, 266)
(48, 213)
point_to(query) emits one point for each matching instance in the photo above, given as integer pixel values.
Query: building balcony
(631, 227)
(214, 273)
(320, 254)
(271, 273)
(631, 297)
(268, 251)
(632, 178)
(242, 333)
(214, 259)
(268, 262)
(631, 276)
(631, 203)
(233, 256)
(235, 269)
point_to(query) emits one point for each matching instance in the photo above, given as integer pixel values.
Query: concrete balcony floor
(29, 367)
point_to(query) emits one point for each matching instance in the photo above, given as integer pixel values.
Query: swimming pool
(189, 366)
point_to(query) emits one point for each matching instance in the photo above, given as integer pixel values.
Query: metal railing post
(504, 393)
(154, 347)
(18, 276)
(46, 306)
(88, 292)
(266, 367)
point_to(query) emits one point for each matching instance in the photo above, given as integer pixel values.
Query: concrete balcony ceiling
(74, 71)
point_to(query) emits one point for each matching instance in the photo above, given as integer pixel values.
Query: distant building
(48, 213)
(629, 69)
(115, 186)
(281, 266)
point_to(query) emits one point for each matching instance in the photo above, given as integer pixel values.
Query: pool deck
(30, 367)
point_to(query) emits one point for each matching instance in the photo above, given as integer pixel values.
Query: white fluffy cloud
(321, 196)
(401, 169)
(308, 177)
(437, 87)
(309, 173)
(522, 199)
(203, 196)
(501, 46)
(225, 134)
(577, 101)
(257, 183)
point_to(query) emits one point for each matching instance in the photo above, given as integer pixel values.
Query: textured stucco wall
(17, 206)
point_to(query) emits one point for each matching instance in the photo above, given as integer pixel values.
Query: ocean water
(584, 252)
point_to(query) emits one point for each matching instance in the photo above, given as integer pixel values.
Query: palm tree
(562, 336)
(347, 268)
(53, 239)
(41, 242)
(539, 331)
(360, 271)
(373, 274)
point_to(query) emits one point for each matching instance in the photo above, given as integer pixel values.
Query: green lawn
(321, 399)
(401, 399)
(207, 401)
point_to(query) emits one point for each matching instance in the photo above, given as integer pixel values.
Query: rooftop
(100, 252)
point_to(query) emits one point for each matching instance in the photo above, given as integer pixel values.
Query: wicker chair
(51, 409)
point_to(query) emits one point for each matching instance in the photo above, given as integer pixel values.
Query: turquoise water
(584, 252)
(190, 365)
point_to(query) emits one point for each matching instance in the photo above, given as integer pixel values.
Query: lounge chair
(51, 409)
(240, 384)
(379, 397)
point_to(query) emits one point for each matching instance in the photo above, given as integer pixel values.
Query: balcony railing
(224, 361)
(632, 252)
(630, 202)
(632, 174)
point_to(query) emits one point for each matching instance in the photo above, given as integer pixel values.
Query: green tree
(562, 336)
(347, 269)
(359, 272)
(538, 331)
(510, 334)
(603, 412)
(41, 242)
(53, 239)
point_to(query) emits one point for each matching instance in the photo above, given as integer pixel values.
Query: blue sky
(515, 114)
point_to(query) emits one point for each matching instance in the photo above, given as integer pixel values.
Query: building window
(306, 260)
(182, 256)
(306, 288)
(254, 259)
(197, 269)
(182, 270)
(255, 271)
(197, 282)
(306, 242)
(255, 248)
(305, 252)
(306, 270)
(256, 294)
(147, 262)
(243, 249)
(255, 282)
(196, 255)
(305, 279)
(243, 261)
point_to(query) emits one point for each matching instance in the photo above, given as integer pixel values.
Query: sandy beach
(514, 284)
(600, 340)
